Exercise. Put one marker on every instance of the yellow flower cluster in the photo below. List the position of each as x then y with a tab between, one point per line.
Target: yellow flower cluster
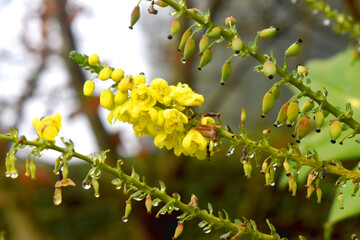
156	110
48	127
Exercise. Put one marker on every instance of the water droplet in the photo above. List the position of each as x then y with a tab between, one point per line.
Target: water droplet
230	151
176	208
95	173
326	22
274	165
272	184
96	195
118	187
172	13
343	184
163	212
138	197
170	208
121	162
183	60
353	195
251	155
14	175
314	12
297	171
7	174
86	184
156	202
207	229
125	219
202	224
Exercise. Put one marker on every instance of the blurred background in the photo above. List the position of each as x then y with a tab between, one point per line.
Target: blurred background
38	79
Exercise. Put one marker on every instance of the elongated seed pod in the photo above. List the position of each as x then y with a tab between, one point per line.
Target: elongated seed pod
294	49
335	130
186	35
243	115
135	15
268	32
282	116
292	113
303	127
275	91
247	169
268	103
214	32
189	48
307	106
203	44
269	69
226	71
236	45
205	58
174	28
319	120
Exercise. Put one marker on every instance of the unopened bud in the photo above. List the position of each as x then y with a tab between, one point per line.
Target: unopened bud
243	115
128	209
120	97
264	167
174	28
203	44
267	179
267	103
272	175
7	166
125	84
287	167
214	32
189	48
135	15
318	194
292	113
309	191
268	32
302	70
178	230
282	116
319	120
291	183
230	21
186	35
236	45
57	196
226	71
310	179
275	90
307	106
33	170
88	88
107	99
294	188
356	187
93	60
335	130
161	3
96	186
27	167
117	75
269	69
341	200
105	73
139	79
148	204
294	49
205	58
247	169
303	127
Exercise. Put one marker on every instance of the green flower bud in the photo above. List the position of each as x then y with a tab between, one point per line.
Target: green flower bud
186	35
269	69
292	113
268	32
236	45
27	167
226	71
302	70
272	175
128	209
303	127
247	169
286	166
214	32
96	186
33	170
291	183
7	166
203	44
318	194
356	187
189	48
294	188
178	230
93	60
230	21
161	3
57	196
267	179
174	28
310	178
148	204
135	15
341	200
294	49
309	191
307	106
243	116
56	167
264	167
275	90
267	103
205	58
335	130
88	88
319	120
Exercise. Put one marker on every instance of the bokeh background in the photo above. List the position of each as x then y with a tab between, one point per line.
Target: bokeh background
37	79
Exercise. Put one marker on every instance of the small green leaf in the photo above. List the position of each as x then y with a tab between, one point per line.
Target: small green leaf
210	208
162	186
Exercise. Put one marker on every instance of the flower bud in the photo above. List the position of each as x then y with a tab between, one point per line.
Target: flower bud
318	194
269	69
93	60
303	127
135	15
128	209
267	103
294	49
125	84
335	130
247	169
139	79
243	115
282	116
33	170
27	167
319	120
356	187
268	32
309	191
88	88
107	99
230	21
287	167
203	44
302	70
186	35
226	71
148	204
294	188
117	75
7	166
310	179
120	97
178	230
105	73
292	113
307	106
291	183
275	90
267	179
161	3
214	32
96	186
341	200
189	48
236	45
272	175
264	167
57	196
205	58
174	28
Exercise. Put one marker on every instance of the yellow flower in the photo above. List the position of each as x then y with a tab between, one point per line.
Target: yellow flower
117	75
105	73
93	60
48	127
139	79
144	125
141	95
122	112
120	97
107	99
195	144
125	84
161	90
185	96
88	88
174	120
170	141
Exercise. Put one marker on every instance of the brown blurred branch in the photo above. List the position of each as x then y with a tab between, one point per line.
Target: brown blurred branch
353	9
